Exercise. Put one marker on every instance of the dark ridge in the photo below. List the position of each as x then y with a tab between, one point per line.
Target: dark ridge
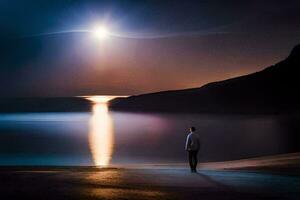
273	90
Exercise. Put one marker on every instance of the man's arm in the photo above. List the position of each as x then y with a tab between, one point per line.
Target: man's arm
198	141
187	143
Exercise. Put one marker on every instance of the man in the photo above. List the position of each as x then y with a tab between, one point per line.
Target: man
192	146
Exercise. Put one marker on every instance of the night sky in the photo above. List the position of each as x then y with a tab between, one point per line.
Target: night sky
159	45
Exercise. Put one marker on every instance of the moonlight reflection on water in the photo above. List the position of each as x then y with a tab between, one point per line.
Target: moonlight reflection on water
101	133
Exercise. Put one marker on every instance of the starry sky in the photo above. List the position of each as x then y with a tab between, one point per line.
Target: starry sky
160	45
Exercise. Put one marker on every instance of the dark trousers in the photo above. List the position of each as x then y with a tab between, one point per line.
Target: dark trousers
193	159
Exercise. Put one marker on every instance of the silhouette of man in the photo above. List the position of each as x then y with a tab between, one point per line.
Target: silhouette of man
192	146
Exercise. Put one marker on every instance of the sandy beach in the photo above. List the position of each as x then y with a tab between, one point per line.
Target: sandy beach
156	182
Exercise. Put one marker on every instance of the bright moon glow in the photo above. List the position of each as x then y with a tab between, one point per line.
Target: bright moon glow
101	32
100	99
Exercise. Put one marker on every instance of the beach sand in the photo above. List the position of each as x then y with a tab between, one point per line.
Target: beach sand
280	180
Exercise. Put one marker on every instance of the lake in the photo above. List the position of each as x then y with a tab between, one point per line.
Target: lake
103	137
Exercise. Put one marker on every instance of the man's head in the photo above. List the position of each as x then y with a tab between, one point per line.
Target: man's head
192	129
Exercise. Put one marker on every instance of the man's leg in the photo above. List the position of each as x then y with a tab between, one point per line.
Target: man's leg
191	160
195	158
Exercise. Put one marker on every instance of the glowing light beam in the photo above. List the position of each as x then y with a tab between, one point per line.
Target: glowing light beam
103	33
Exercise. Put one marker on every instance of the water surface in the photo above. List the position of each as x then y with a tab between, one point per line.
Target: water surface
103	137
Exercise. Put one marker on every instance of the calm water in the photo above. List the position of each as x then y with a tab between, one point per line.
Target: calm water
102	137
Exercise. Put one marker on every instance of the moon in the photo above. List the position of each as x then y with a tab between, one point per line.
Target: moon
101	32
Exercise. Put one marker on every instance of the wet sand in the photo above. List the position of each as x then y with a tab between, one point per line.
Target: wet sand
151	182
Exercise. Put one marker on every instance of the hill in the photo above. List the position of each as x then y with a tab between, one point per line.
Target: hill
272	90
